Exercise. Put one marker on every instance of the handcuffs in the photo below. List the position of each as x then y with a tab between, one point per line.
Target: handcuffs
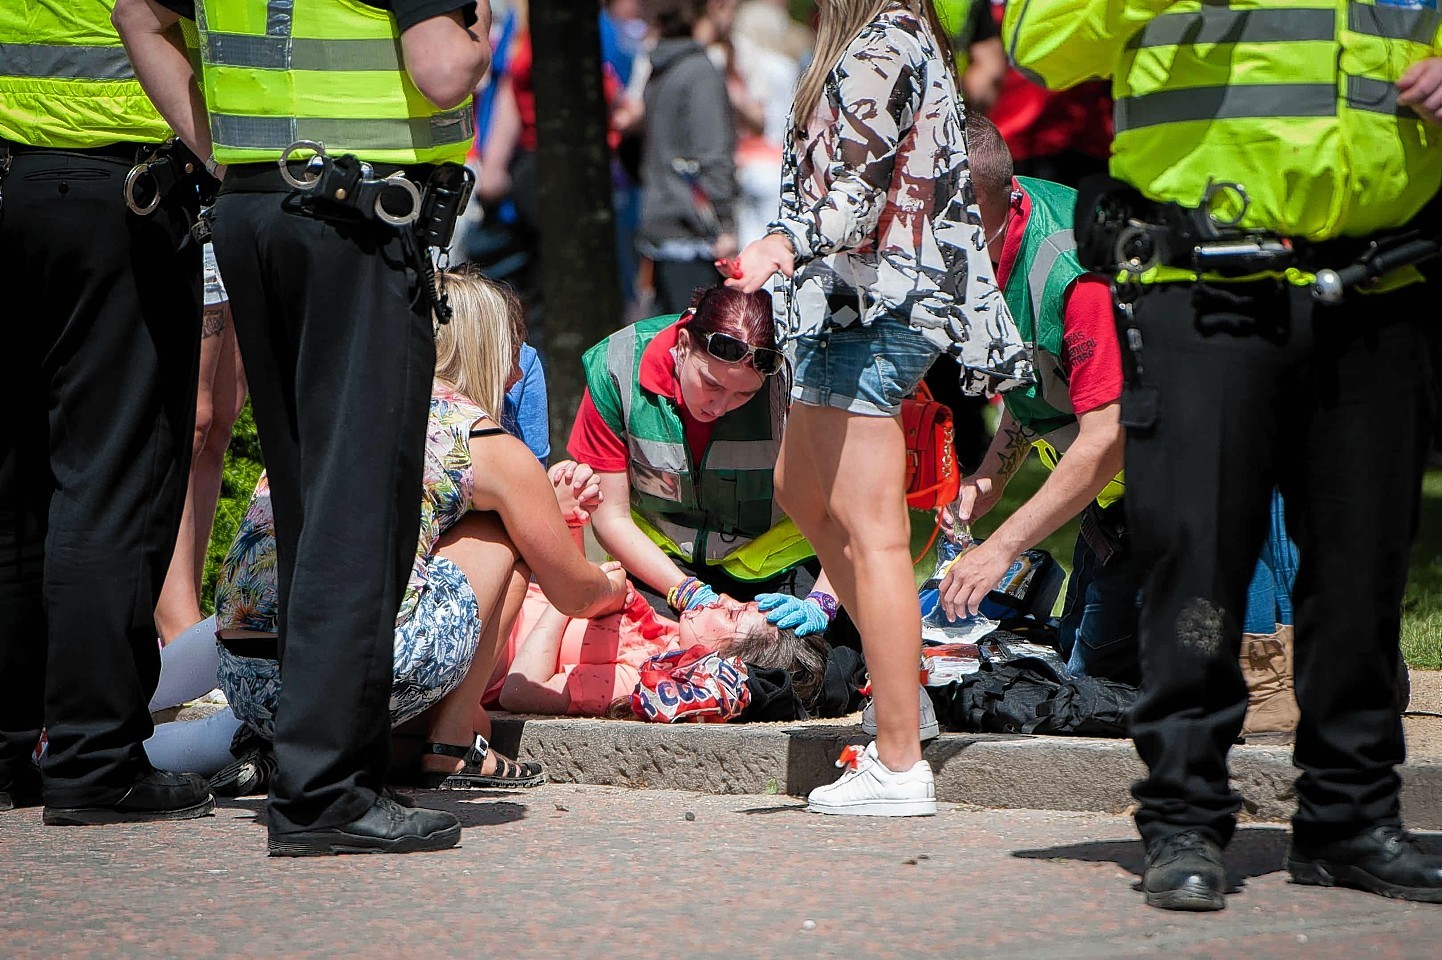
165	168
349	182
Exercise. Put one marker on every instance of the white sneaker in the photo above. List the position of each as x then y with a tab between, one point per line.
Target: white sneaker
930	730
869	789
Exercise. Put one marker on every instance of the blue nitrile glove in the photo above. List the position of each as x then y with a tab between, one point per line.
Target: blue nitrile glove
805	617
703	597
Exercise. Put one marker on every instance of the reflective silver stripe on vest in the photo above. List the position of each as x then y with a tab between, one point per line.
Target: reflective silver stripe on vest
742	454
1376	96
1051	250
1061	438
64	61
658	454
1393	23
277	133
719	545
278	17
620	361
683	537
283	53
1226	102
1222	25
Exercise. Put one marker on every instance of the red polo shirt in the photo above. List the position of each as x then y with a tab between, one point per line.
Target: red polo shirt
594	442
1091	355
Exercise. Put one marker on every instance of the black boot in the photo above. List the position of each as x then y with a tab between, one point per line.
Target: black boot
17	797
159	795
20	790
387	827
1384	860
1184	872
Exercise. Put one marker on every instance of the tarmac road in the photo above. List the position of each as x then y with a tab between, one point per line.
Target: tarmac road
569	871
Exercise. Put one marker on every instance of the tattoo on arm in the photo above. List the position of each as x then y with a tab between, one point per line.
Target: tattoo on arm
1017	446
212	322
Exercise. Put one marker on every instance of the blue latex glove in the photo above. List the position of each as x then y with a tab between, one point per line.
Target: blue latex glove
805	617
704	597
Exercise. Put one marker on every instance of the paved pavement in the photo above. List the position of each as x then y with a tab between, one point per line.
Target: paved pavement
602	872
988	770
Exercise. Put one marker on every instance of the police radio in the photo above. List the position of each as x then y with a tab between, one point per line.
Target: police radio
447	192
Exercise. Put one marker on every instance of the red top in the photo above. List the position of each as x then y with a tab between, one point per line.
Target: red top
1092	356
520	71
594	442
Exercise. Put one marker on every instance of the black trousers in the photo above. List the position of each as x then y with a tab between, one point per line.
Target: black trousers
1244	387
676	281
98	400
339	352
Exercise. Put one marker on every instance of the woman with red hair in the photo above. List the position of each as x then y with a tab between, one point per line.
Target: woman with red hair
681	421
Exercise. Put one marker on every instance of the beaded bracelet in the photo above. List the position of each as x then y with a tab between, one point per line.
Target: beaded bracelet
826	602
679	597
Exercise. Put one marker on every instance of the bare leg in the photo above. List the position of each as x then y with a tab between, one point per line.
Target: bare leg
478	544
503	621
841	478
220	396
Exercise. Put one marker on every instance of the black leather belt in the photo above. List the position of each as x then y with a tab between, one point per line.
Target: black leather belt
254	648
129	152
267	178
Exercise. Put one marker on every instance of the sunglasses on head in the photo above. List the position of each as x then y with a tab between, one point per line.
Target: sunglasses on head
725	347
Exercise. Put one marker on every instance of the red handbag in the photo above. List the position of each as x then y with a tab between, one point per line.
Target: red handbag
933	478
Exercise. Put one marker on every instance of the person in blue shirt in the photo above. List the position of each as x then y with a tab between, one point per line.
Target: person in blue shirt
526	412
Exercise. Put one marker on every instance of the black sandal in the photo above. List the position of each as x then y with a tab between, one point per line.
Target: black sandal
508	773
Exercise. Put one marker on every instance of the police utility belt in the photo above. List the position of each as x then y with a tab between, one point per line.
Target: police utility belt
1123	234
422	204
159	170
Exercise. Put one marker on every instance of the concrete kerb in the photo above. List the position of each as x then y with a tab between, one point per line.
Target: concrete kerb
983	770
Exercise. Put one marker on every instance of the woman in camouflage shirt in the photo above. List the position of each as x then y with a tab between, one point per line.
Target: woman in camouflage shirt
881	240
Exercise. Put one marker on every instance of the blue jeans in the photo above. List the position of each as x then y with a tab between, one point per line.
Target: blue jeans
1098	631
866	370
1269	597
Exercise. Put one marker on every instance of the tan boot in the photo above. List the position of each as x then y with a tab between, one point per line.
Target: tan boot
1267	668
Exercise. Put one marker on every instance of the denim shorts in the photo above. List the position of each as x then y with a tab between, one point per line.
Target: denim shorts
865	370
215	294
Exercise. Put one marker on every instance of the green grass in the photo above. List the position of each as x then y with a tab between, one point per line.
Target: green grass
1421	611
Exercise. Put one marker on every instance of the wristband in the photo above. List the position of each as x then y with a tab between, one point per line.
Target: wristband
679	596
826	602
211	166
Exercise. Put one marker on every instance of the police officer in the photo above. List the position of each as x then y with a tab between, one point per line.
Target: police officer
98	401
1258	146
329	295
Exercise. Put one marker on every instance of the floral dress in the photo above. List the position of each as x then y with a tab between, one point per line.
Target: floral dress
438	624
877	201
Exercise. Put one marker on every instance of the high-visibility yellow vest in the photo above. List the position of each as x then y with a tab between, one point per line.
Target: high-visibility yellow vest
955	18
1292	99
65	80
278	71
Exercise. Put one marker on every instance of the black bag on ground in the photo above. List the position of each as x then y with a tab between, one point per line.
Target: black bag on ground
1027	695
772	697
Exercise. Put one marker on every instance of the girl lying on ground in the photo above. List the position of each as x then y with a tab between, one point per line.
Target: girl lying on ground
483	532
559	664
